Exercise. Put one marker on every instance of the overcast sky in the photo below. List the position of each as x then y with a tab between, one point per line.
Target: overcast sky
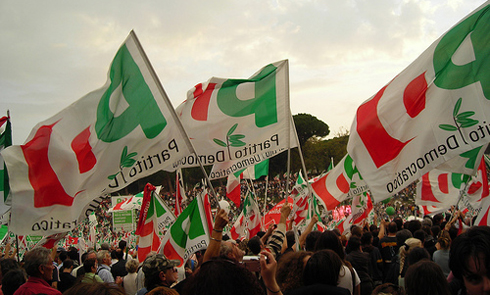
341	52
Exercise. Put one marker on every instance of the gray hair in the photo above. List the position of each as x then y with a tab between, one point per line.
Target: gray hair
35	258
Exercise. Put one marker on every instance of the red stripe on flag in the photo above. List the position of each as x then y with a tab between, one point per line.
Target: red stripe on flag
442	180
85	157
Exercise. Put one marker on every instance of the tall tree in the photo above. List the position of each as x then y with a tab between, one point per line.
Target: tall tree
308	126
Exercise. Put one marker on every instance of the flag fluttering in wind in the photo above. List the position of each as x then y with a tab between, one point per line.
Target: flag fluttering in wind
257	171
233	188
239	122
5	141
104	141
300	195
190	232
154	217
342	182
130	203
248	223
179	192
433	111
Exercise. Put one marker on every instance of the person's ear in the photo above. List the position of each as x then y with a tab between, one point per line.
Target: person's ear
162	276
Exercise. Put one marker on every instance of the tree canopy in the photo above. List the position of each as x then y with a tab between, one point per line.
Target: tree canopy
308	126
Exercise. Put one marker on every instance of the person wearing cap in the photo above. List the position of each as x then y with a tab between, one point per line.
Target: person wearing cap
159	271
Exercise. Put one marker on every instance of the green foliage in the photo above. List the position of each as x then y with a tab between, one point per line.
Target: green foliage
308	126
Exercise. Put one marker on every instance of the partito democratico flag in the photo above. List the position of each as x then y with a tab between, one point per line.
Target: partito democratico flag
434	110
109	138
238	122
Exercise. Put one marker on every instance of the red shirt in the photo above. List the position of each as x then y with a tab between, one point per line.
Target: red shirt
36	285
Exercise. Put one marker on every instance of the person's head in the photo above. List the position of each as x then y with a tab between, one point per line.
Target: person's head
367	239
402	236
104	257
416	254
255	245
159	271
90	265
392	228
132	265
68	264
290	269
354	244
437	219
119	254
222	276
105	246
73	254
444	240
469	259
426	278
230	250
435	230
356	231
95	289
311	239
420	234
323	267
38	263
399	222
329	240
7	264
12	280
122	244
388	289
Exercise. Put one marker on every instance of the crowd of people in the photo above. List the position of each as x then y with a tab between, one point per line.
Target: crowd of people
435	255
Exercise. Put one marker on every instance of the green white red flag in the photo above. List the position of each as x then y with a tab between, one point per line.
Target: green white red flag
341	183
239	122
233	188
190	232
107	139
300	195
433	111
248	223
130	203
257	171
154	217
5	141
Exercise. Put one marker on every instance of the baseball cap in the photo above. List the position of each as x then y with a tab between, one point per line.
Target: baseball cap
157	263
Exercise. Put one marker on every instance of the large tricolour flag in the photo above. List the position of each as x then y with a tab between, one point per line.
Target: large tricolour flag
104	141
433	111
190	232
239	122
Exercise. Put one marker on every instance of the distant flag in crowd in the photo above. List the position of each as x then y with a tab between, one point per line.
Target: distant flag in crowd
190	232
274	215
89	149
5	141
154	217
257	171
330	166
300	195
233	188
51	241
434	110
248	223
179	192
130	203
361	207
234	121
339	184
483	217
92	229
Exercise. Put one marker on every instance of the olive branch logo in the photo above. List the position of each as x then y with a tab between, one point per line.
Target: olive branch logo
461	120
233	140
126	162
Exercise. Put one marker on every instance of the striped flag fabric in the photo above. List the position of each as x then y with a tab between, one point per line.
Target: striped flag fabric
5	141
154	217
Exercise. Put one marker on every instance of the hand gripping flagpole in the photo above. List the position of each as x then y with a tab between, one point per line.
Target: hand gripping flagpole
174	115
